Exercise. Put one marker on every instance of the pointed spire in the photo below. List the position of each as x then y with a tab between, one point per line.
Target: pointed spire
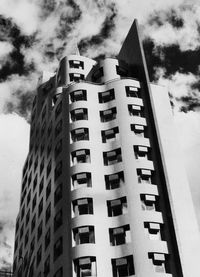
76	49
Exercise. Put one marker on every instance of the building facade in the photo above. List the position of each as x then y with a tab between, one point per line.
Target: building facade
104	193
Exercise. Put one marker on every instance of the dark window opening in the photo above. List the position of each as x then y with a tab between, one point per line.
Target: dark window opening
135	110
123	267
81	180
76	77
133	92
76	64
78	95
82	206
47	238
80	134
117	206
110	134
81	156
79	114
120	235
108	115
112	157
58	194
84	234
114	181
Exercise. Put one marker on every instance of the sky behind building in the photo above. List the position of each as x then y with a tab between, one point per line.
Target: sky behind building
36	34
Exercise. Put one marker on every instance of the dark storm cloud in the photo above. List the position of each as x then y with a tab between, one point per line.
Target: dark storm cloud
15	63
171	58
105	32
190	103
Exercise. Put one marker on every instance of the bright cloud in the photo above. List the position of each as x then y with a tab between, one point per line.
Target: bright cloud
13	149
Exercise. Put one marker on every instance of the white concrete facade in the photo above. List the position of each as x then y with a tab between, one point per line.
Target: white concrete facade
100	179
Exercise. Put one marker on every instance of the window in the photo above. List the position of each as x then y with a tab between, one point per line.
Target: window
27	217
44	112
97	74
114	181
121	71
149	202
144	176
26	238
79	114
106	96
28	198
17	225
47	266
110	134
123	267
29	178
112	157
47	238
49	129
22	212
35	183
159	261
135	110
41	185
39	255
30	162
58	128
59	273
85	267
81	156
82	206
58	248
58	148
33	222
48	213
76	64
58	194
34	202
81	180
35	163
139	130
153	230
141	152
117	206
39	231
76	77
40	207
78	95
80	134
49	147
48	169
58	220
32	247
108	115
42	149
120	235
41	165
43	128
84	234
48	190
58	170
58	109
133	92
16	244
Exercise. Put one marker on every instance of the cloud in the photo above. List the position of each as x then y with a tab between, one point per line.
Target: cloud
13	149
17	94
25	14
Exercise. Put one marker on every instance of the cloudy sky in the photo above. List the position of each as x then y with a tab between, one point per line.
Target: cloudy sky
35	34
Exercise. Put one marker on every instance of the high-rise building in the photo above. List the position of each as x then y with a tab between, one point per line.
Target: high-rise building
104	192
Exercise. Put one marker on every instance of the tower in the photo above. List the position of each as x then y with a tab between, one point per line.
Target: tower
103	188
